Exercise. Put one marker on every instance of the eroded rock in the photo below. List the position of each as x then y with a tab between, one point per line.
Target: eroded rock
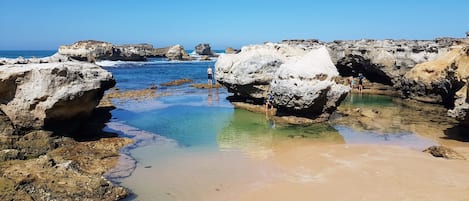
177	52
444	152
439	80
300	80
35	95
204	49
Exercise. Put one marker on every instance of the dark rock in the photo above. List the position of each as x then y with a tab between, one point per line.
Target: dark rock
177	82
204	49
444	152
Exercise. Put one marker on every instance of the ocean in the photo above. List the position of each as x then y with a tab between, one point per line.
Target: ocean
26	53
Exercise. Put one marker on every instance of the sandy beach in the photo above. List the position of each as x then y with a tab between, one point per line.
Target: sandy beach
363	172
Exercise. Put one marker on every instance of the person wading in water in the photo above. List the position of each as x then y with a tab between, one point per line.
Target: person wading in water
209	75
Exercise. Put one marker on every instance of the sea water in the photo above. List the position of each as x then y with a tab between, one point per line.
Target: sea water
209	146
26	53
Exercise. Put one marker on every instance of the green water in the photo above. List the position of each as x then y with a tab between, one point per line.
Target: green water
210	145
367	100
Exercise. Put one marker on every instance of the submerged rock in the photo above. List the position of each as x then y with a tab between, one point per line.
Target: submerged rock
34	96
177	82
300	80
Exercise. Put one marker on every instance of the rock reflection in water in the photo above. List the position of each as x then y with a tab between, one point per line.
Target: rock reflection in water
384	116
260	137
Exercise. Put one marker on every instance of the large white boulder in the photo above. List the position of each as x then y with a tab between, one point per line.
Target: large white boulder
304	85
301	80
33	95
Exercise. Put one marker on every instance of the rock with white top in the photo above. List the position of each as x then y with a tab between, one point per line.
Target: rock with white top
300	80
34	96
92	50
50	59
177	52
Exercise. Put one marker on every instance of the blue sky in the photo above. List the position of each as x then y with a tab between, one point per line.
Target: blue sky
46	24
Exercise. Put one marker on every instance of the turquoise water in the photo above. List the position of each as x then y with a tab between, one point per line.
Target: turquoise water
26	53
207	139
359	100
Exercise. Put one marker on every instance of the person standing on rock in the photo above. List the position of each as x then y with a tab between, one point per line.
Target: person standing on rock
210	75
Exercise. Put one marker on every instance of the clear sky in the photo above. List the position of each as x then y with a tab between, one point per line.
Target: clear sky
46	24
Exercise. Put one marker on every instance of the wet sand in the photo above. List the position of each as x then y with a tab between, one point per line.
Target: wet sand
297	170
363	172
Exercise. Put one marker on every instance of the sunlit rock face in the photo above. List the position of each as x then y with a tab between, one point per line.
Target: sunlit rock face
301	80
92	50
33	95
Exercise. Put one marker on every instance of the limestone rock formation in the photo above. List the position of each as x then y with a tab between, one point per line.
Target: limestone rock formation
204	49
385	61
439	81
230	50
301	81
177	52
34	96
304	86
20	60
91	50
382	61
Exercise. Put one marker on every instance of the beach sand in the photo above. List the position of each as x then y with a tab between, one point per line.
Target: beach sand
363	172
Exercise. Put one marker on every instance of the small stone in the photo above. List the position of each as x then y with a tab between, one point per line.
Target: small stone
444	152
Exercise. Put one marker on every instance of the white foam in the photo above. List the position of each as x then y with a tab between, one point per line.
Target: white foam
107	63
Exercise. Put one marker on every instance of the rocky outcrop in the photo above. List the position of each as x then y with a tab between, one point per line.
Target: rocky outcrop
20	60
177	52
71	170
204	49
301	81
444	152
385	61
382	61
461	105
34	96
439	81
91	50
230	50
424	70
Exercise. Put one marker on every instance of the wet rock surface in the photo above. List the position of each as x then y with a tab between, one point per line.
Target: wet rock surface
68	172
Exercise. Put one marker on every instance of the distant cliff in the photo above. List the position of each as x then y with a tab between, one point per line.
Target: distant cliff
92	50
